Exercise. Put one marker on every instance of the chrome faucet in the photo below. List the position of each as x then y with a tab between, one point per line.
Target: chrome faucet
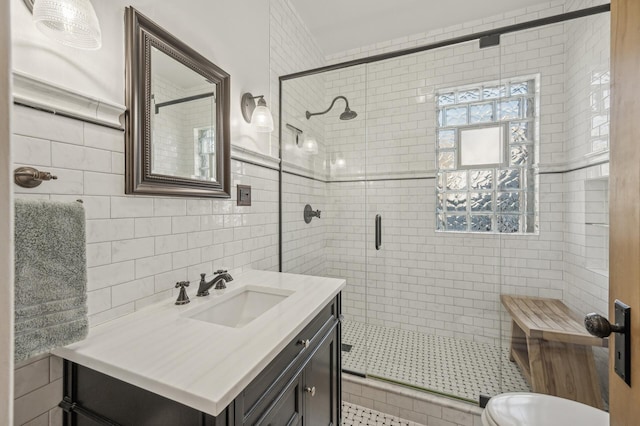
219	281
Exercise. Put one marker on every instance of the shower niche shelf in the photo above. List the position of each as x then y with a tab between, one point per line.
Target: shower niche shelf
596	207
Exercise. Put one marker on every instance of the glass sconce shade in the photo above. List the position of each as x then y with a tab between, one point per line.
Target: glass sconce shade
261	118
258	115
338	160
70	22
310	145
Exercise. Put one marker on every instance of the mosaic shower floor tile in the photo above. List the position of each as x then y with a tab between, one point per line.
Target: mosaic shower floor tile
355	415
454	367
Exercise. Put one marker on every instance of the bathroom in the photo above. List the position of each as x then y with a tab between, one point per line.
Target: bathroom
425	336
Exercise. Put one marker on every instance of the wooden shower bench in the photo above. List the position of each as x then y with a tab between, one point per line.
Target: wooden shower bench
553	349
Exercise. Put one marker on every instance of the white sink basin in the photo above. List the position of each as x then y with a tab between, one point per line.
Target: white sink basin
239	309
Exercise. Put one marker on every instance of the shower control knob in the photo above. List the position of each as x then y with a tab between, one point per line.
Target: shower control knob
599	326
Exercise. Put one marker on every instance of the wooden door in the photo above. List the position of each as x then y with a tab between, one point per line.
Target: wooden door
624	258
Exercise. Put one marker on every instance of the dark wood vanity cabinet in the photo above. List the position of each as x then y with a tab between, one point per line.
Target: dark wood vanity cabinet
301	386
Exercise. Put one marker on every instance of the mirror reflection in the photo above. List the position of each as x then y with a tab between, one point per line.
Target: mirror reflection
182	119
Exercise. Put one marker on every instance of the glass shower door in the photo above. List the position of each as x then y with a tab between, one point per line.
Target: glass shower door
433	281
323	151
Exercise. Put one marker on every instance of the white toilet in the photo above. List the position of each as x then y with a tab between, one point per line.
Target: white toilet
534	409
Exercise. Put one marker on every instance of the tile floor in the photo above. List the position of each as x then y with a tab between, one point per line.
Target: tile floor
355	415
459	368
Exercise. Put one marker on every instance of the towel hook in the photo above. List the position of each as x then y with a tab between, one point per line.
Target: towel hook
28	177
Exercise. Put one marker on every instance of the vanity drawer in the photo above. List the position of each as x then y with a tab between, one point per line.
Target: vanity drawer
262	391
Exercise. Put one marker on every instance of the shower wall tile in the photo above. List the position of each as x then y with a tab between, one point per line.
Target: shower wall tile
438	283
293	49
586	281
303	245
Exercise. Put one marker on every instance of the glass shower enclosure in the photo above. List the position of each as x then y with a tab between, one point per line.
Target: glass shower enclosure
446	178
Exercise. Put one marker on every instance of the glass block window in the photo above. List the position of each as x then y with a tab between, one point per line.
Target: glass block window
486	148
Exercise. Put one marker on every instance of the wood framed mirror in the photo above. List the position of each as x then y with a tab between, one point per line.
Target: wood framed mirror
177	121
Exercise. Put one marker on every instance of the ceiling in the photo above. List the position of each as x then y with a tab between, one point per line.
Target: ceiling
340	25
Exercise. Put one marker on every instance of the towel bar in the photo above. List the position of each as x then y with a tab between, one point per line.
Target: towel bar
28	177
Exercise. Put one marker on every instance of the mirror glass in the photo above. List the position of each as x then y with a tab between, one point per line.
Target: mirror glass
183	120
177	126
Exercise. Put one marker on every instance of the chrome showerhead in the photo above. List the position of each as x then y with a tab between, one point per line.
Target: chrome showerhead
348	114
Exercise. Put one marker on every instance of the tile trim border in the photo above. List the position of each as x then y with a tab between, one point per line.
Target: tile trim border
43	95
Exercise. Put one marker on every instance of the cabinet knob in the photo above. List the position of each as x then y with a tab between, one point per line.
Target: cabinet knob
304	343
311	390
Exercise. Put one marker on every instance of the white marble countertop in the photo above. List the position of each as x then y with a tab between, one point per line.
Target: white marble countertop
199	364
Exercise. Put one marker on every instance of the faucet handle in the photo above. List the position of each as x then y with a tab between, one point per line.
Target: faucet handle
183	299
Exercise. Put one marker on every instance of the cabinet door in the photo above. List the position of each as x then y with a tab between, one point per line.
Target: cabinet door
287	409
320	378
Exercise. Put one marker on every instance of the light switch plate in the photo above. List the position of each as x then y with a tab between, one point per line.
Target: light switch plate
244	195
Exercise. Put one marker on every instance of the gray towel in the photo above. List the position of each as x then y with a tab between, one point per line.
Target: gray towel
51	276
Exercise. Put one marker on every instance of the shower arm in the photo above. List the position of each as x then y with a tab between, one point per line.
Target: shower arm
310	114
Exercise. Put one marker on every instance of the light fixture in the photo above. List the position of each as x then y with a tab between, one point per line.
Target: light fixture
70	22
297	132
310	145
259	116
337	160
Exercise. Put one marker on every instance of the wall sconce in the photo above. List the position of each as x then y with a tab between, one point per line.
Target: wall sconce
259	116
71	22
308	144
337	160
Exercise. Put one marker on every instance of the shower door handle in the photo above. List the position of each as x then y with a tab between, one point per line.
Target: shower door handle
378	232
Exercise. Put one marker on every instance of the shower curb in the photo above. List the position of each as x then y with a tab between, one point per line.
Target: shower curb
409	404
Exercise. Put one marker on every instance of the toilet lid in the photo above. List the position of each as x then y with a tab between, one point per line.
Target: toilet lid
531	409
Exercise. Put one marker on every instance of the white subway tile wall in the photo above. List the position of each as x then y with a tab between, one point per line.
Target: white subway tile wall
303	244
38	390
138	247
293	49
133	241
422	281
586	280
